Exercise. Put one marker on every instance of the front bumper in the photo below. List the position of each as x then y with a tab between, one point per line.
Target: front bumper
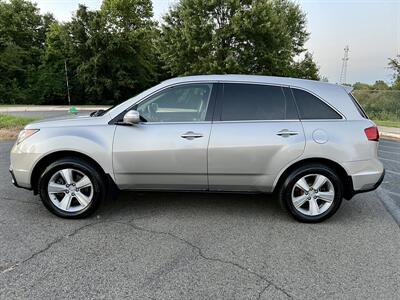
22	162
14	180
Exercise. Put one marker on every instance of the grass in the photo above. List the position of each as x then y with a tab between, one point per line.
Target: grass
388	123
11	125
9	121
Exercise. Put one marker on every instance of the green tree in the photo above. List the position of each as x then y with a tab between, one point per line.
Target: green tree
361	86
51	84
394	64
380	85
130	52
110	52
236	36
22	39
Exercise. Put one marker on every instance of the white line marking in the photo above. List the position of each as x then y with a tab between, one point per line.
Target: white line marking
388	142
393	172
392	160
389	203
390	192
396	148
389	152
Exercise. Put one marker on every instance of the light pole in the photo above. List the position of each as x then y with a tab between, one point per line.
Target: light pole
66	78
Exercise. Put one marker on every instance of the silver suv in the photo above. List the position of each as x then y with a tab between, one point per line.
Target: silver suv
308	142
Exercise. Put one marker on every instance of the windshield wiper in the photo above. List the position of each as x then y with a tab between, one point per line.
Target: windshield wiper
97	113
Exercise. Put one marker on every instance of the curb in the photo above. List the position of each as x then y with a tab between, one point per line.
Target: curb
49	108
389	135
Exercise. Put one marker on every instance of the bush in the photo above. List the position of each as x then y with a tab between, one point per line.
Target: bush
380	105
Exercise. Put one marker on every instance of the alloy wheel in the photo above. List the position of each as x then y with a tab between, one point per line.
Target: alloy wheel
70	190
313	194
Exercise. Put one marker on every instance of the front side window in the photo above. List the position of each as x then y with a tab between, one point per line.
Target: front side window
255	102
186	103
310	107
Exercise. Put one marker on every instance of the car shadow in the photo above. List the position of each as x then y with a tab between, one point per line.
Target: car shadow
149	204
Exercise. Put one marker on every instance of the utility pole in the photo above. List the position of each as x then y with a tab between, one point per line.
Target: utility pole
345	59
66	78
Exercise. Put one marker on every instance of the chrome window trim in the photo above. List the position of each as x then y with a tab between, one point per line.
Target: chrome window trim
172	123
171	86
323	120
255	121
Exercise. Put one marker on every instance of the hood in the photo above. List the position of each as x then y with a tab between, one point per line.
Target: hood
68	120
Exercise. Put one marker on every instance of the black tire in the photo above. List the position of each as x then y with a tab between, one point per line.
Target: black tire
96	177
285	192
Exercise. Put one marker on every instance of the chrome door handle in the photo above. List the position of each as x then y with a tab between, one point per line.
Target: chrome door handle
287	133
190	135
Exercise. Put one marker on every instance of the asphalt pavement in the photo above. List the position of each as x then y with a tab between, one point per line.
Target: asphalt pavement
200	246
389	191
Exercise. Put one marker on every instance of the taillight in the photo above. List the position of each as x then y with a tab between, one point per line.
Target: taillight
372	133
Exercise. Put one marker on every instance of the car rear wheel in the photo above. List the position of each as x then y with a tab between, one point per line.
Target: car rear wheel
71	188
312	193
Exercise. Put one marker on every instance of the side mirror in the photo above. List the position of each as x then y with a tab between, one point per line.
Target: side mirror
132	117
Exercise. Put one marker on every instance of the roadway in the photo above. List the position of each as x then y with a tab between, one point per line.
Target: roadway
201	246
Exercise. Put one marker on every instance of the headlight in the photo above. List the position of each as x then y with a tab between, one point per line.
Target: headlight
24	134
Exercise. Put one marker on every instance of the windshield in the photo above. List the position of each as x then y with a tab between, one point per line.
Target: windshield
129	102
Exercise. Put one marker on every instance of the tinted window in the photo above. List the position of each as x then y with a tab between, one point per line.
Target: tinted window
253	102
310	107
186	103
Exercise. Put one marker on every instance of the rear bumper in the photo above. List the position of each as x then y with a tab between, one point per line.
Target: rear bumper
374	186
364	173
367	188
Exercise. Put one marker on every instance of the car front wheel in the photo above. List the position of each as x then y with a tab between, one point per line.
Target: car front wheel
71	188
312	193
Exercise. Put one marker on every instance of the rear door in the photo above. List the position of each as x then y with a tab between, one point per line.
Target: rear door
256	132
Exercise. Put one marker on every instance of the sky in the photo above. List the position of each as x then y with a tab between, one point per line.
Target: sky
371	29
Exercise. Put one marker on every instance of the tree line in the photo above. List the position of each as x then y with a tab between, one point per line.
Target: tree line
119	50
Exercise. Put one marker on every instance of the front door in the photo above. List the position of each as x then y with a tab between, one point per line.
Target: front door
256	133
168	150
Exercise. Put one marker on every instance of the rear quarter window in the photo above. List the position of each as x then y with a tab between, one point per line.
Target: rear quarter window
358	106
310	107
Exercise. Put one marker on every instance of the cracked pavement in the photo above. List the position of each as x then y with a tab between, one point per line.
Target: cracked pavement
195	246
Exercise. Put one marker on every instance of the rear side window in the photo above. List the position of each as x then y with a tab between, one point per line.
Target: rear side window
310	107
255	102
358	106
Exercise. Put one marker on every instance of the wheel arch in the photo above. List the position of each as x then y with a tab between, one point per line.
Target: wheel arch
340	171
51	157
